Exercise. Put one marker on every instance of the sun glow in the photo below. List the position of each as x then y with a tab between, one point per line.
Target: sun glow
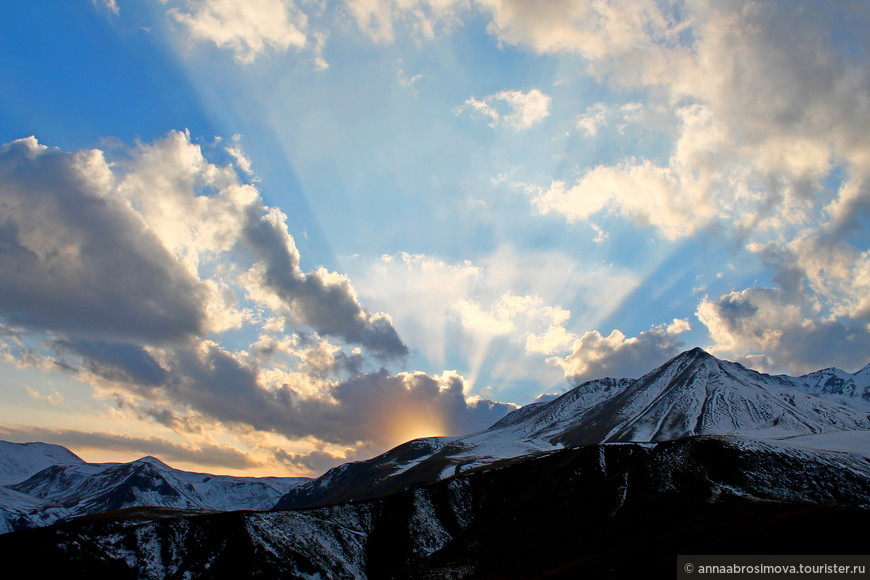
408	423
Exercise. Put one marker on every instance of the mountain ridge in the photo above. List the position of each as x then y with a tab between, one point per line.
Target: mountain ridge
694	393
62	491
601	510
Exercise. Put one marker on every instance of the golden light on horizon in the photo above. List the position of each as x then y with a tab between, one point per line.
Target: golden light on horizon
404	423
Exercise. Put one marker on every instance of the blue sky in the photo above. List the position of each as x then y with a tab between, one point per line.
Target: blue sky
272	236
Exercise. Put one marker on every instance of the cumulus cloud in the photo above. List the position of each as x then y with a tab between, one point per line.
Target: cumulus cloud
594	355
650	195
248	29
633	41
76	259
816	316
760	327
116	362
120	250
322	299
766	99
124	272
514	109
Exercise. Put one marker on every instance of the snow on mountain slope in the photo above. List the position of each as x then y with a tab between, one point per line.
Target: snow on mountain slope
692	394
833	381
522	518
84	488
696	394
18	461
17	508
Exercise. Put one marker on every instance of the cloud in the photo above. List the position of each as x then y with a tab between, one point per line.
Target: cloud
108	5
248	29
322	299
117	362
377	408
767	331
594	356
650	195
816	316
503	311
75	259
514	109
146	248
426	19
765	98
241	160
601	114
125	272
632	41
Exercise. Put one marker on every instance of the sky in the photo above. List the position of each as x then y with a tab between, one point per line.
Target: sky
269	237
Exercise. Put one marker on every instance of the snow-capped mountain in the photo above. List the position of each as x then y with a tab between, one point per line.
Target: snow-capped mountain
619	510
18	461
69	489
698	456
693	394
833	381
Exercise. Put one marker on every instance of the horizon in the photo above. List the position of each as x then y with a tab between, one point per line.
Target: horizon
277	237
543	399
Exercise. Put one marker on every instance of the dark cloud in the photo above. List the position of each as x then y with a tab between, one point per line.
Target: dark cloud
365	408
771	332
214	455
323	300
120	362
76	260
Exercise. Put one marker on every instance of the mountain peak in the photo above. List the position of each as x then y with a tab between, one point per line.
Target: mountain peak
695	353
151	460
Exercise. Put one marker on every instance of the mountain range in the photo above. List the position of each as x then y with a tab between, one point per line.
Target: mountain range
614	477
45	484
693	394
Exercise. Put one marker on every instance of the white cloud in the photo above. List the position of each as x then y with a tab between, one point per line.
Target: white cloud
601	114
242	161
634	41
248	28
79	260
109	5
594	355
817	315
123	273
426	19
648	194
514	109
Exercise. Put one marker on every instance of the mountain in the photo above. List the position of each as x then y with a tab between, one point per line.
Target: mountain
616	510
65	490
693	394
18	461
612	479
833	381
